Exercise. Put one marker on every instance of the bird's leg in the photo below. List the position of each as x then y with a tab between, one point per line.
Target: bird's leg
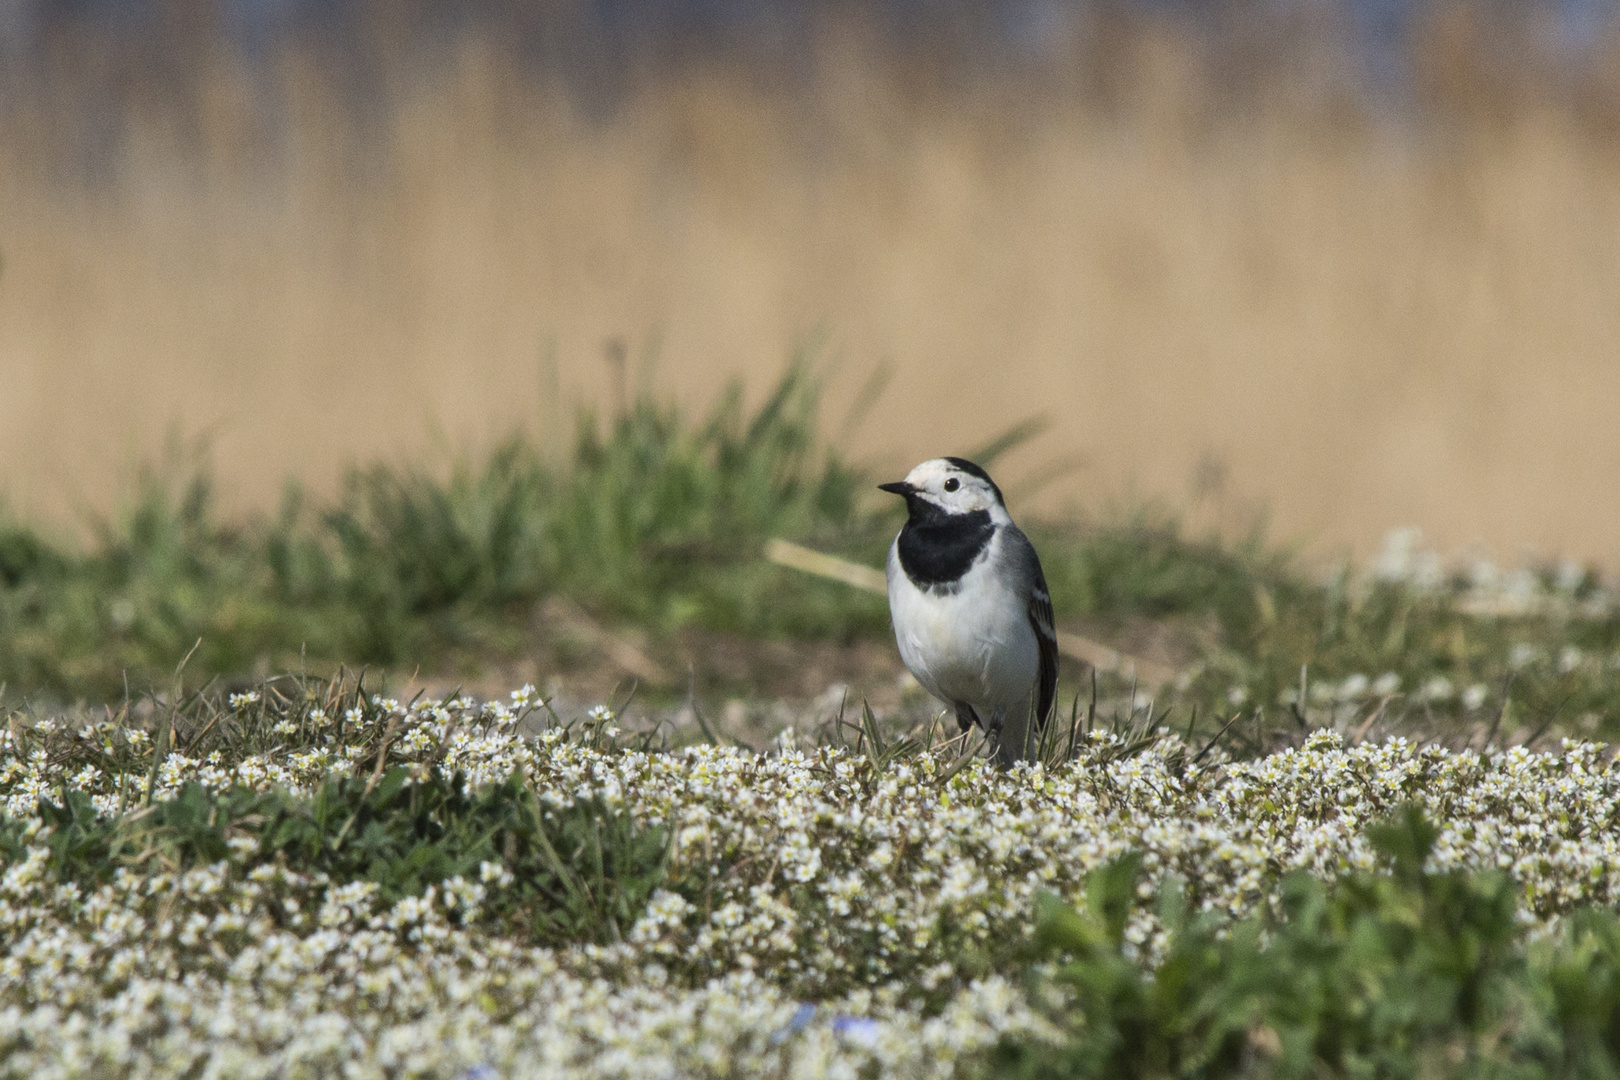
992	729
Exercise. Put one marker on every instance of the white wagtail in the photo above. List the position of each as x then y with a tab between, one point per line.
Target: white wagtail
971	612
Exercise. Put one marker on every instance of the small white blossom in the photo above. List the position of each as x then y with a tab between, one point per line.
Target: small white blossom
1523	655
1438	688
1352	688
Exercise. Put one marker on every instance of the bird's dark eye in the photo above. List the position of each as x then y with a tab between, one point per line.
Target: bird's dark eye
952	484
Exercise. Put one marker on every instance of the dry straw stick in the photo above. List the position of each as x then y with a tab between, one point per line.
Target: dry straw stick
1100	656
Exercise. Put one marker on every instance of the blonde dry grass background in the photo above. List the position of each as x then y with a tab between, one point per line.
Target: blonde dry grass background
1353	325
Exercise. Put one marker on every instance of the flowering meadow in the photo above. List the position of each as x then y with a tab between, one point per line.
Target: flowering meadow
309	880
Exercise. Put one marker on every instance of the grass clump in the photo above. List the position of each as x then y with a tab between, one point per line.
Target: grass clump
653	521
568	874
1275	650
1403	973
650	519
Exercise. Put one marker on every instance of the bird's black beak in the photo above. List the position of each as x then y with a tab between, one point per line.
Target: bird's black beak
899	487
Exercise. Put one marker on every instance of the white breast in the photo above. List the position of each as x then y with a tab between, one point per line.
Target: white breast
973	644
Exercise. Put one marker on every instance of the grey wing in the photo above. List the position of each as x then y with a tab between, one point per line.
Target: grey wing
1027	566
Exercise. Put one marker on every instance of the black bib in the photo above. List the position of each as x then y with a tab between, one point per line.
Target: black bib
937	548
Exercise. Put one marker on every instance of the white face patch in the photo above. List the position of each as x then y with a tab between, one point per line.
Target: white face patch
951	489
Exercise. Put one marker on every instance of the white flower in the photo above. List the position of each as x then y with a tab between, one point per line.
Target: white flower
812	866
494	872
1400	560
1523	655
1474	696
1438	688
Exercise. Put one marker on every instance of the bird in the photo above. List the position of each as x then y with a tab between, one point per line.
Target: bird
971	611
